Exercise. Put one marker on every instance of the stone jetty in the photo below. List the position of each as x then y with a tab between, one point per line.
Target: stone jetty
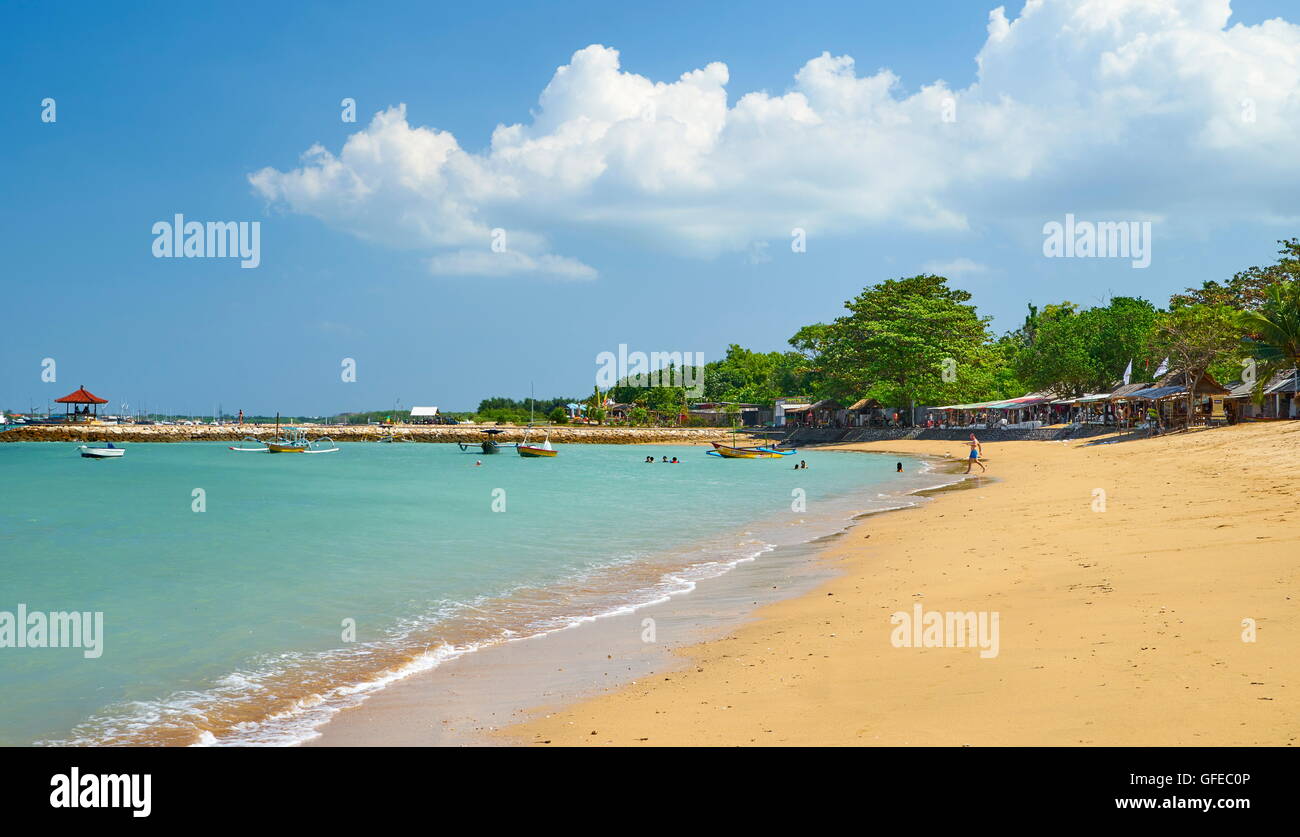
560	434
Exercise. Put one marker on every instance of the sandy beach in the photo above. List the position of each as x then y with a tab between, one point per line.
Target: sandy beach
1121	572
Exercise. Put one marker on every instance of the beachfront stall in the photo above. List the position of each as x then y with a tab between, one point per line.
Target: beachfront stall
1124	407
972	415
867	412
829	413
1023	413
1281	398
1168	399
790	411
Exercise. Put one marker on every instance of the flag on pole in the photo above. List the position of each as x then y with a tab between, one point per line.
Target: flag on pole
1128	373
1163	368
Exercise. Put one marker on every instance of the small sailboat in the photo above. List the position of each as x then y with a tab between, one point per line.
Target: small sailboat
108	451
531	451
534	451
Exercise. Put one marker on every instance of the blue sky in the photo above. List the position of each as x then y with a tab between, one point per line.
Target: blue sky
671	231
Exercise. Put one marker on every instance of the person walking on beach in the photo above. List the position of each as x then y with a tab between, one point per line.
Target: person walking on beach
976	450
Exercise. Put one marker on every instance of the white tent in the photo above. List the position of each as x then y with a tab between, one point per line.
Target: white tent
424	412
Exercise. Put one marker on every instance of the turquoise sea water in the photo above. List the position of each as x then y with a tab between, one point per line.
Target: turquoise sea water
227	625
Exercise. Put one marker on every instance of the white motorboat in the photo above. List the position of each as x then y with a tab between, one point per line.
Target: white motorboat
108	451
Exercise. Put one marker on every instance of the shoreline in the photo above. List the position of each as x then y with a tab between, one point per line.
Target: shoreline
466	699
1121	624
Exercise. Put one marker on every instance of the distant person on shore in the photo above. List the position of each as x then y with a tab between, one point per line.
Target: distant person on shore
976	450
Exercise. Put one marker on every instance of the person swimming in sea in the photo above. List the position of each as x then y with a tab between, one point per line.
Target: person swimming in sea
900	467
803	464
649	459
976	450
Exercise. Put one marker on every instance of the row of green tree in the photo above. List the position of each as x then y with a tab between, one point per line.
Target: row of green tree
918	341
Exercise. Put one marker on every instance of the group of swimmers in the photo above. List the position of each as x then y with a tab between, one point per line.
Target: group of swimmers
674	460
802	465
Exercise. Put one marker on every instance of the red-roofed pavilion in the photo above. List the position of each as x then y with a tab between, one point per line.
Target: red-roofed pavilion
82	405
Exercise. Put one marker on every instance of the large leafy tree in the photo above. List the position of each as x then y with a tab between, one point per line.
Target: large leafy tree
1194	337
906	341
1073	352
1052	354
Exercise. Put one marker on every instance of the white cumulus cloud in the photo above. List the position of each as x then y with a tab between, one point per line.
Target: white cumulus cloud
956	268
1118	108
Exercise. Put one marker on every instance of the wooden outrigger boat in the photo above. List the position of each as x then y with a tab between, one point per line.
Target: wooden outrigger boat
733	451
489	445
293	441
730	452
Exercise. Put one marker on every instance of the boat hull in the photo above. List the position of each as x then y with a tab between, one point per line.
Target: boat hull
102	453
272	447
729	452
529	451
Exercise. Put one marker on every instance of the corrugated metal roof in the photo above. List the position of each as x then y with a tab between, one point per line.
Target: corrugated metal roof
1156	393
1284	381
1127	390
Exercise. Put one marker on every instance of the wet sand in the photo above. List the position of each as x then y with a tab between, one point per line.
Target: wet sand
1127	576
